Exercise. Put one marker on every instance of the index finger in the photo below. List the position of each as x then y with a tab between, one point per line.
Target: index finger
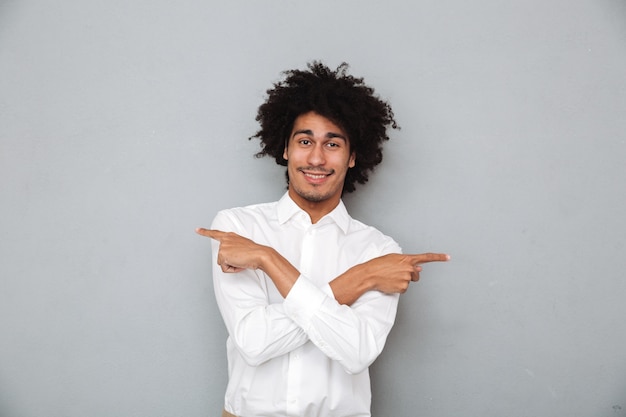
213	234
422	258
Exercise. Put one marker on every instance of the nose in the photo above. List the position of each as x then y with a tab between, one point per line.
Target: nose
316	155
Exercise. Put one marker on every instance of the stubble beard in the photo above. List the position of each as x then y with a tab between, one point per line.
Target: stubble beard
313	196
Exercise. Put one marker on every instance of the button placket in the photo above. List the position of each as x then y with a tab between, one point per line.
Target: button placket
307	251
294	382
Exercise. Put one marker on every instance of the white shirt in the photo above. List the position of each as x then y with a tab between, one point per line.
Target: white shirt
304	355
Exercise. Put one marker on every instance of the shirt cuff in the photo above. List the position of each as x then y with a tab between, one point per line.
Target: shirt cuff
303	301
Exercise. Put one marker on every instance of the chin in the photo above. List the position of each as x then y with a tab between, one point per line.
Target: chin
314	196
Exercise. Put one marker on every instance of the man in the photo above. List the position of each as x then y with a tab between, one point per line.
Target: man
313	293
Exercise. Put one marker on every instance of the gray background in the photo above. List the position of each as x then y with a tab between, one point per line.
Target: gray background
124	125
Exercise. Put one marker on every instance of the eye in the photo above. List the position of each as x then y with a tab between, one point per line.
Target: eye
333	145
304	142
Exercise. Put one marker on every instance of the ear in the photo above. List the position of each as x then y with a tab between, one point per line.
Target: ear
285	157
352	160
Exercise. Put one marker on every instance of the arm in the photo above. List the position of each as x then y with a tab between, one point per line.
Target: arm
258	327
389	274
353	336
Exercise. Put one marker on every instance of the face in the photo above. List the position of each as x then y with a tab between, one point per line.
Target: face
318	158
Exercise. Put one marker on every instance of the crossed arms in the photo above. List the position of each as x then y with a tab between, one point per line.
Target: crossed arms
348	319
389	273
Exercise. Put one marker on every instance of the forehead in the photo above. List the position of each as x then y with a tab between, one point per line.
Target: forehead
316	124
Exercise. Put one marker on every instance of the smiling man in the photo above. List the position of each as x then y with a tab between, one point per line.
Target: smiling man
307	293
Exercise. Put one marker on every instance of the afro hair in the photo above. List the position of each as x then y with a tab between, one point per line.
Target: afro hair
343	99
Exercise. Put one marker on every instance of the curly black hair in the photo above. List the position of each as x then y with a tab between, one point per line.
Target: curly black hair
341	98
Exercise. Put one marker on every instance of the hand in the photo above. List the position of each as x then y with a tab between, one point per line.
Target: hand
236	252
394	272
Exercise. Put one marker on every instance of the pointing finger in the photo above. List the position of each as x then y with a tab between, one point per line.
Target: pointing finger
429	257
213	234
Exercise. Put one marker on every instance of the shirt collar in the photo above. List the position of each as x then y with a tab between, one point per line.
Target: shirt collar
287	208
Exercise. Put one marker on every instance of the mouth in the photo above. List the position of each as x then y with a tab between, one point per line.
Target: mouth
316	176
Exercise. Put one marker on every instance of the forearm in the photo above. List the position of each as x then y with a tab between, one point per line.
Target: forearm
347	287
262	333
352	284
282	273
255	319
354	336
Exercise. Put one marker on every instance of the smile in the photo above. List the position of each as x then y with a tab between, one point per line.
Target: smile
316	176
316	172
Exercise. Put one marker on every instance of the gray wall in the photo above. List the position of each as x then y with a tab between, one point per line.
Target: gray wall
124	125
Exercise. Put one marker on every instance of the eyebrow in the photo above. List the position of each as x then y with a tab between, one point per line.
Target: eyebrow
329	135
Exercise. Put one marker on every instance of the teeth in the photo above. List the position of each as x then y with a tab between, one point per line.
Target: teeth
316	176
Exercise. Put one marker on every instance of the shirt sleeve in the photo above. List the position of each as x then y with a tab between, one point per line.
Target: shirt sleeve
352	335
260	330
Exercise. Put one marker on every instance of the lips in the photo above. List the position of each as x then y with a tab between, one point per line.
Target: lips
316	177
313	176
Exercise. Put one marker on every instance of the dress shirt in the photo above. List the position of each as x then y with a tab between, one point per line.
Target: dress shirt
303	355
